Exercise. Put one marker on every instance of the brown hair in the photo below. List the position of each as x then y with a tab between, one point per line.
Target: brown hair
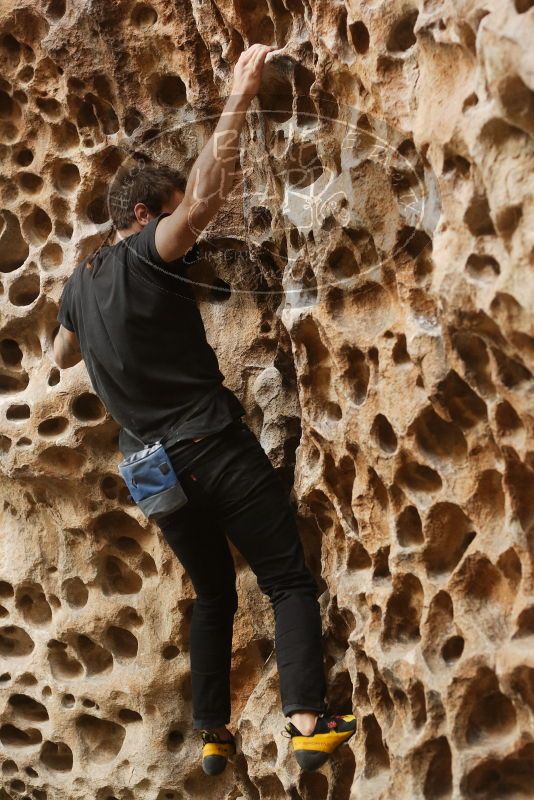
149	184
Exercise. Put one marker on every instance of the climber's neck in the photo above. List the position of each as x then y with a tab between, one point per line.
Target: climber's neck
124	232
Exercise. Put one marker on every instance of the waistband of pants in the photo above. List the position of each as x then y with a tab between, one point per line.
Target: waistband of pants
183	444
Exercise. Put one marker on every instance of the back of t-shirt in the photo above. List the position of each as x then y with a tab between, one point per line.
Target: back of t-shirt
143	340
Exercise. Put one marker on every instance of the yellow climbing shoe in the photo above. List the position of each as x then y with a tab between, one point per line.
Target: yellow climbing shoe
215	752
329	733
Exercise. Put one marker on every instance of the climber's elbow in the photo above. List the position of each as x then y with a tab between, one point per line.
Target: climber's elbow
66	348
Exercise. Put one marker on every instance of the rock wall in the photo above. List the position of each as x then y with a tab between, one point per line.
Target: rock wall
367	293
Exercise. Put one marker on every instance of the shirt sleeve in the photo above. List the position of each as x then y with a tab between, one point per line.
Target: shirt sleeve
142	247
65	307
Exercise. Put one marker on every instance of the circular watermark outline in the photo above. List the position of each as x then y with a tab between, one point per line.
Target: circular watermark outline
379	143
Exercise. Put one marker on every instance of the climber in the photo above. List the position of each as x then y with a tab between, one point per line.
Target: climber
142	339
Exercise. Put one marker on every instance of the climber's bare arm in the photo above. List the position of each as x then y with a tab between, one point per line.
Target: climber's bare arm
213	173
66	348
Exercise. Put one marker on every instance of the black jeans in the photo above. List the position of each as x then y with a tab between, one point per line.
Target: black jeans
234	492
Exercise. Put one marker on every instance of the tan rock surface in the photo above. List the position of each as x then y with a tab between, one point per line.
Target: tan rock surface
379	249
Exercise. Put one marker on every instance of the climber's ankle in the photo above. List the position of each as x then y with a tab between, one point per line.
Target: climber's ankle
304	721
221	731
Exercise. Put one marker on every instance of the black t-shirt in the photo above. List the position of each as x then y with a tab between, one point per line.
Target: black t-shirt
143	342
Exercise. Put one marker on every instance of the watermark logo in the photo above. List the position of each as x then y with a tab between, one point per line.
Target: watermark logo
306	187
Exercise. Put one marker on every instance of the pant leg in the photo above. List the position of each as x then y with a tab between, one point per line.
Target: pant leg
249	499
202	548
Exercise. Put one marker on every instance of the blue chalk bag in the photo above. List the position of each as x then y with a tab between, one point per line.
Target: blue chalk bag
152	481
149	474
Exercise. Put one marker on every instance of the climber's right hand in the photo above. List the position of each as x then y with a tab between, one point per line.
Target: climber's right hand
248	70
